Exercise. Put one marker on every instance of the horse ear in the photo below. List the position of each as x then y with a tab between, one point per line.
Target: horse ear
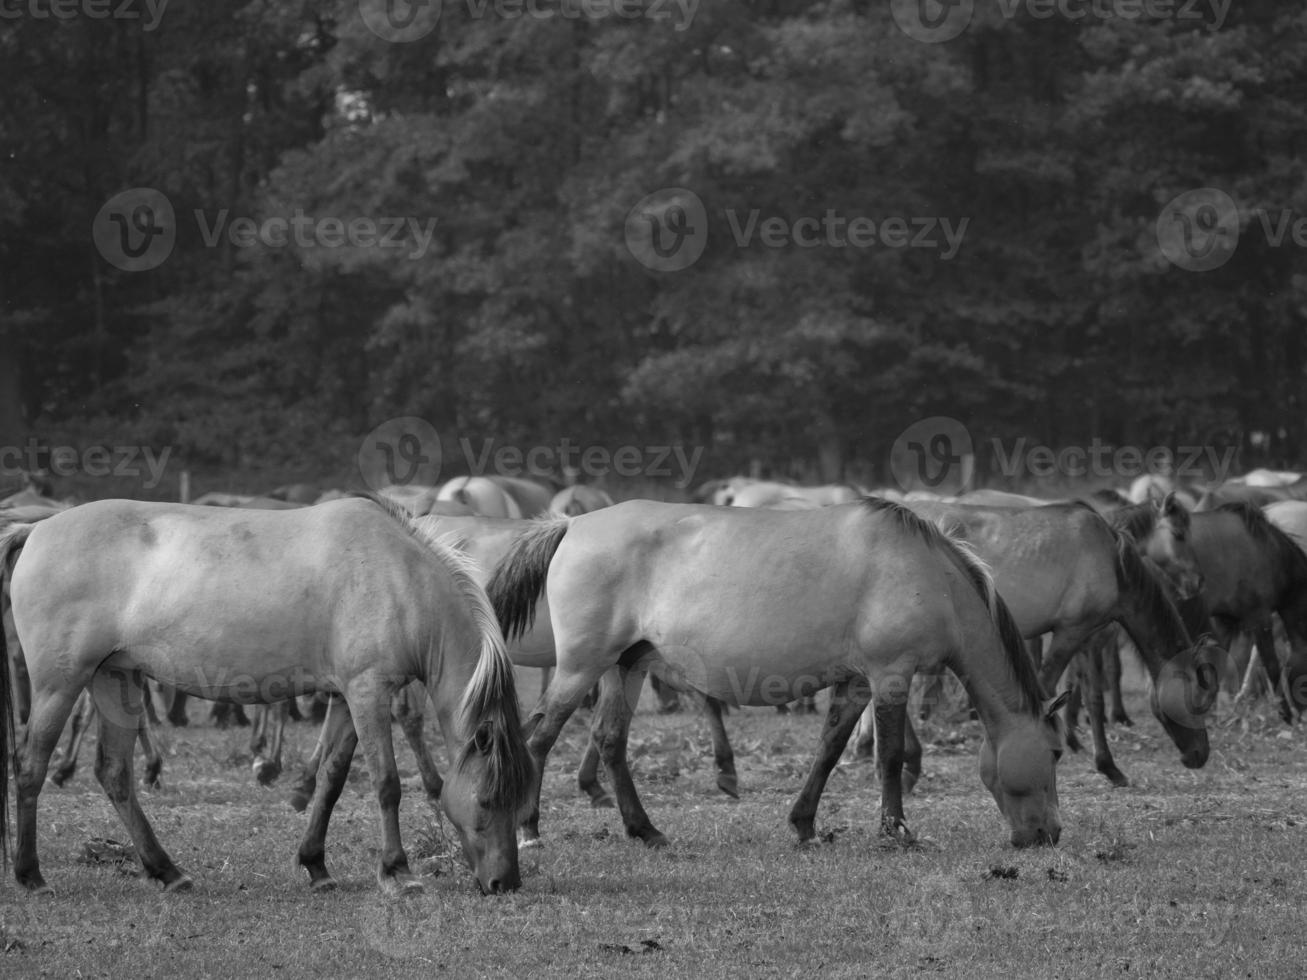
1052	706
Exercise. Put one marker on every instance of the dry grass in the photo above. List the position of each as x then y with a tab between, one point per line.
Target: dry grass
1187	874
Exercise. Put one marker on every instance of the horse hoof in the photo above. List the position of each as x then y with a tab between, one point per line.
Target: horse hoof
399	885
183	883
266	772
327	884
38	888
655	839
524	841
730	785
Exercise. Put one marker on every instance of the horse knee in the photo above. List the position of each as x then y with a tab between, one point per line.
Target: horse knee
388	790
114	775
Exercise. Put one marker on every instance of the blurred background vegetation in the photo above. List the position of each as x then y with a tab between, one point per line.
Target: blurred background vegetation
528	140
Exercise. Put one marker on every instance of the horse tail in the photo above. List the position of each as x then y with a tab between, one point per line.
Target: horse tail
515	587
12	539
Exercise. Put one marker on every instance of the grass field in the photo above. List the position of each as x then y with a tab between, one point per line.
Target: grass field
1183	874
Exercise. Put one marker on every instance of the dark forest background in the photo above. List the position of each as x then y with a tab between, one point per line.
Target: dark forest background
528	140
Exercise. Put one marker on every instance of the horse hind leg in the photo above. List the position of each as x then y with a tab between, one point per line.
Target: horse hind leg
119	702
848	700
49	714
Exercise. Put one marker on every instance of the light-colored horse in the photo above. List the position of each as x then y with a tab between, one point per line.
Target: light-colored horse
257	606
758	607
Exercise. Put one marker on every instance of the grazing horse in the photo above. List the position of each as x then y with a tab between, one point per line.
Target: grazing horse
1160	529
257	606
757	607
1252	569
1063	569
486	540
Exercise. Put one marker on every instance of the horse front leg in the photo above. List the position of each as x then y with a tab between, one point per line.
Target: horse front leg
1095	675
542	728
848	699
407	709
619	692
369	704
335	748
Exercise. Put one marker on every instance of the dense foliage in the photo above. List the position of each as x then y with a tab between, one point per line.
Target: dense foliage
519	143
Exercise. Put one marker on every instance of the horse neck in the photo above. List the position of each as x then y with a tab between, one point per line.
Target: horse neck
450	661
982	665
1151	619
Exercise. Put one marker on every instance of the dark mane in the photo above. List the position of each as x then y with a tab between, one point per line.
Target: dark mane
978	574
1289	556
1136	578
1137	520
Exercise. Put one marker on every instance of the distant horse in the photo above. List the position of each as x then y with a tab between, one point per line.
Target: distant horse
1251	569
578	499
757	607
1268	478
252	606
483	496
782	496
1251	494
1001	498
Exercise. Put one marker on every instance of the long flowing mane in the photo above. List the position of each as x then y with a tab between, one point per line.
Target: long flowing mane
490	702
965	558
